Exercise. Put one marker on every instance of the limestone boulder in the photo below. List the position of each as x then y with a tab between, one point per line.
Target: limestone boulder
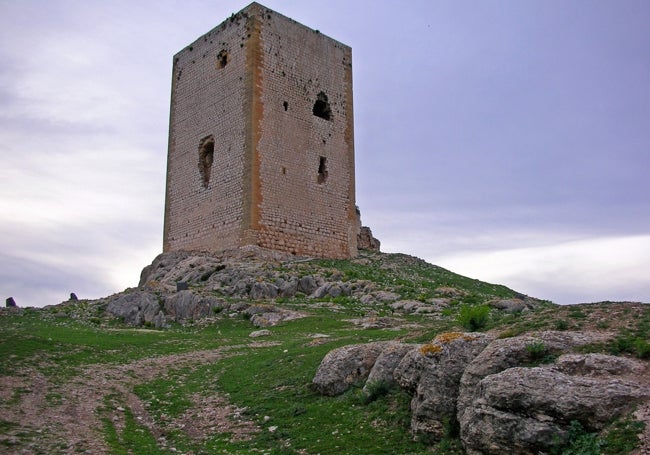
366	241
307	284
262	290
188	306
269	315
345	366
384	368
512	352
531	409
134	308
432	374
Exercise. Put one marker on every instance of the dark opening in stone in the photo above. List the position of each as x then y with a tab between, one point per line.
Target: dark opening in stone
322	107
322	169
222	59
206	157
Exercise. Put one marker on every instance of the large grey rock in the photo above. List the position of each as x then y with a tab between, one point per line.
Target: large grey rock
160	321
384	367
188	306
307	284
432	374
134	308
345	366
386	296
269	315
366	241
512	352
262	290
530	409
287	288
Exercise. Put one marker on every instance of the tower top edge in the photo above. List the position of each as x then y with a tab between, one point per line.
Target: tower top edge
257	10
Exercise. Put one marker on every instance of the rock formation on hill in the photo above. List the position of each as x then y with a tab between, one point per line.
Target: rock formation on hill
511	395
504	391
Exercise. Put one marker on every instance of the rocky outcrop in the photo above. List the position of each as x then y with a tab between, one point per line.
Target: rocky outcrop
383	371
514	395
513	305
186	306
268	315
365	240
432	375
135	308
516	351
345	366
532	408
146	308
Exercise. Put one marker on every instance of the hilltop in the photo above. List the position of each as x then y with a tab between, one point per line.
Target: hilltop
240	352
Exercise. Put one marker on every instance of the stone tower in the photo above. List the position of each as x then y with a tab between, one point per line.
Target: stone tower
261	140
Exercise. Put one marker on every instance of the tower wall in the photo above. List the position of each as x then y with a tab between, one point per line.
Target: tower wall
275	99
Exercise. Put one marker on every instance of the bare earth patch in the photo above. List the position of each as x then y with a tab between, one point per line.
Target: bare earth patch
39	417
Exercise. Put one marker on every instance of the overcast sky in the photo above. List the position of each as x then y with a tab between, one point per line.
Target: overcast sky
508	141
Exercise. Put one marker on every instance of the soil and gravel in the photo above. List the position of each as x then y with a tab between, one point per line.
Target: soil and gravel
67	417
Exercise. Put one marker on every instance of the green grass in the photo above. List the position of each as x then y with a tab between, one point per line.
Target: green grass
272	380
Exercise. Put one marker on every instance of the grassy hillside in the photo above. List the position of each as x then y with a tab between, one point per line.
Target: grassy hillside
73	380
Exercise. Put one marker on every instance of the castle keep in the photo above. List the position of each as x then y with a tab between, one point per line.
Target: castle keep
261	140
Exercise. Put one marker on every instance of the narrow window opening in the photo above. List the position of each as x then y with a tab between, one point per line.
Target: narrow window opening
222	59
322	107
206	157
284	170
322	169
285	105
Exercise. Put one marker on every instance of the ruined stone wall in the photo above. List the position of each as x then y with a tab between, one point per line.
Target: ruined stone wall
261	140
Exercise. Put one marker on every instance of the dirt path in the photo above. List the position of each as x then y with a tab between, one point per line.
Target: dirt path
39	417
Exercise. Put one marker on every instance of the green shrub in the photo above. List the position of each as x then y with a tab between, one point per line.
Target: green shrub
642	348
579	442
473	317
628	343
561	324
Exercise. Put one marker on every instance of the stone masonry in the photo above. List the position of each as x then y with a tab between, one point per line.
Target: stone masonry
261	140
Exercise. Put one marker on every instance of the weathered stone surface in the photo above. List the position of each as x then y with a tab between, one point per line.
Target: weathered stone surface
135	308
161	266
366	241
432	373
384	367
10	302
160	321
307	285
260	333
262	290
512	352
598	365
407	306
386	296
345	366
268	315
330	289
531	408
287	288
513	305
188	306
